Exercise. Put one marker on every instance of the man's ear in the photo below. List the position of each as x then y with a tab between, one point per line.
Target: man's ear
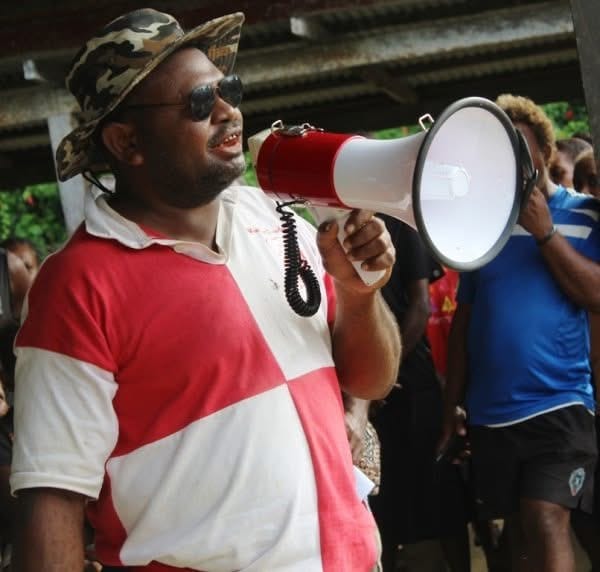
121	140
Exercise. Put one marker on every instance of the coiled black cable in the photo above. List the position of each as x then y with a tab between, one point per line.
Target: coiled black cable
296	268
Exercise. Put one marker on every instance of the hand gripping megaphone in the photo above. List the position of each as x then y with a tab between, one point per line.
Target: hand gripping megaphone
460	182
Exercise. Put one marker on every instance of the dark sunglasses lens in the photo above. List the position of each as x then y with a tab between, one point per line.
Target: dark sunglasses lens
202	98
231	90
202	101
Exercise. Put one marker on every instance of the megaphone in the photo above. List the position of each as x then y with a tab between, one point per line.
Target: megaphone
460	182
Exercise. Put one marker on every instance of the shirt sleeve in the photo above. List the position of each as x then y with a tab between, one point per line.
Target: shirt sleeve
591	247
65	423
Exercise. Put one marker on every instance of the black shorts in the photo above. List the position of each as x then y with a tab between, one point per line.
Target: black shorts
550	457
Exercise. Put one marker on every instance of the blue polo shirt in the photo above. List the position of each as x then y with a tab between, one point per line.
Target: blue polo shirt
528	344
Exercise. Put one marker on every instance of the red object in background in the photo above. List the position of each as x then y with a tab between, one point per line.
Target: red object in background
442	296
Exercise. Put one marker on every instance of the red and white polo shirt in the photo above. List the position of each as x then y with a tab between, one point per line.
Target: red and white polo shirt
175	387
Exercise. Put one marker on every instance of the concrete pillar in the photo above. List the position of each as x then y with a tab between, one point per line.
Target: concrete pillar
586	15
72	192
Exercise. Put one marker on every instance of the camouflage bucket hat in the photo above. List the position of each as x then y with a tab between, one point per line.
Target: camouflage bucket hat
120	56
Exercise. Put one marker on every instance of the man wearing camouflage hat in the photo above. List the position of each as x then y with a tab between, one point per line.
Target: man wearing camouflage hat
163	381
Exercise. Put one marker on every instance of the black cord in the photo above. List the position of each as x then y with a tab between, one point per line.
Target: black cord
92	178
296	268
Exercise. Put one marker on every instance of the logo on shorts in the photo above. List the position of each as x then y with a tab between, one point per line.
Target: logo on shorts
576	480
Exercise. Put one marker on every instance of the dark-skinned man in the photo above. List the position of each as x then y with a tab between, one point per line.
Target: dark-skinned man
176	394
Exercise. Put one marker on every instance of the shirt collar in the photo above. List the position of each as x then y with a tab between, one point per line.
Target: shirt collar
103	221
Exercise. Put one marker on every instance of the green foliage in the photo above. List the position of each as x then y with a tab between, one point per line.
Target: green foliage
567	118
250	174
34	213
396	132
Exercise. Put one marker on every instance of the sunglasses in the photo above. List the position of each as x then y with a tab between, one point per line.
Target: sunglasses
204	97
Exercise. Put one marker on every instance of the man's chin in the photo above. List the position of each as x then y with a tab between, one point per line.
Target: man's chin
233	171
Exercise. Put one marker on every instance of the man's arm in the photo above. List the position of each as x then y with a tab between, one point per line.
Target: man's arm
366	339
414	321
456	376
49	531
577	275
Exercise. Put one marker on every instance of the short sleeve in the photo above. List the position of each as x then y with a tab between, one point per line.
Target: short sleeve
591	247
65	426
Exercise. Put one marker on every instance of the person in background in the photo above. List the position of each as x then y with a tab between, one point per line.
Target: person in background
442	298
6	502
587	526
25	250
585	174
197	418
15	281
419	499
519	360
563	160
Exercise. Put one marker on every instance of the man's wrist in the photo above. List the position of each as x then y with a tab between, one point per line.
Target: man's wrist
547	237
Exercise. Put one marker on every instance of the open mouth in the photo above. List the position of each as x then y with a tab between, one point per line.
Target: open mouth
230	140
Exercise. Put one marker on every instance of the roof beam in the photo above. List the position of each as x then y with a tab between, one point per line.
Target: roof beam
493	30
455	73
31	106
434	40
308	28
396	87
74	21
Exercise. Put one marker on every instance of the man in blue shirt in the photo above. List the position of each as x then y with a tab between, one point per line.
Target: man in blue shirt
519	361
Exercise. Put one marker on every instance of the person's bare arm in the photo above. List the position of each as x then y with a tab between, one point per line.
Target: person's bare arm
456	377
414	321
49	531
366	339
577	276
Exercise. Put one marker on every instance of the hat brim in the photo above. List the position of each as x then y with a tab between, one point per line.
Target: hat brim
218	39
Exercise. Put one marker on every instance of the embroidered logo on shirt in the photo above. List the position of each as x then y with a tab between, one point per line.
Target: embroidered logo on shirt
576	480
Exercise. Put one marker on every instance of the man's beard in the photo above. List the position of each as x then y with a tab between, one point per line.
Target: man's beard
180	192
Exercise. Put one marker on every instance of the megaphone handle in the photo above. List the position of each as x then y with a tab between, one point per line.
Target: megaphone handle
322	214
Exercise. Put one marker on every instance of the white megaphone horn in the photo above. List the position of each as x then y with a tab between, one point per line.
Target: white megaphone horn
459	183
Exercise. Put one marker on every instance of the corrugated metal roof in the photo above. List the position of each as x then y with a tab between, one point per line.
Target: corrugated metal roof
359	64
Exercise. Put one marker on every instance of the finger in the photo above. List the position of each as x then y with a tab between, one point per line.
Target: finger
382	261
367	231
357	219
370	242
327	236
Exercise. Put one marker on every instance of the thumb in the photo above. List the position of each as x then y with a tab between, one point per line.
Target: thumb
327	235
